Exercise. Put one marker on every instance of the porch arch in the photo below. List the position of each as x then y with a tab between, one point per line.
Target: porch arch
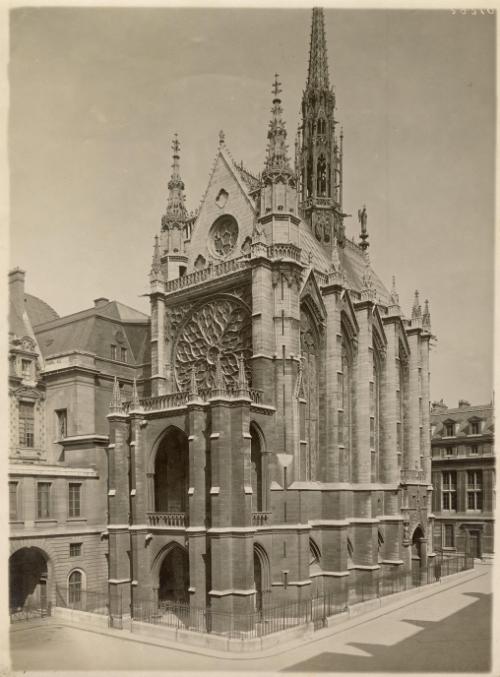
29	572
171	574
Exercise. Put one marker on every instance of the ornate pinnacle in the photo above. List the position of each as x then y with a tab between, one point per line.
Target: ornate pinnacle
426	317
116	404
416	313
135	402
277	150
219	386
368	291
363	220
317	75
155	274
176	212
193	384
242	377
394	306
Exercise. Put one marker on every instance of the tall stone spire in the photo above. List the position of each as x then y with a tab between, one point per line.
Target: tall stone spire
174	222
176	213
320	162
317	74
277	150
278	180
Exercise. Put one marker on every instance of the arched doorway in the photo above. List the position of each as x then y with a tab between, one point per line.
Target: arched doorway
172	473
173	580
417	558
28	576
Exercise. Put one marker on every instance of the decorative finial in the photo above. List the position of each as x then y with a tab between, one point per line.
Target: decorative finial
242	377
276	86
176	147
135	401
363	220
222	138
426	317
116	404
219	385
416	313
176	213
193	384
155	273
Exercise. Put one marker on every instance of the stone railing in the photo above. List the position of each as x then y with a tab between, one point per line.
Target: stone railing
261	519
208	273
284	251
413	476
167	519
173	400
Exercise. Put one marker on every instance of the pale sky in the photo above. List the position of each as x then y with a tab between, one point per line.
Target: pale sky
96	95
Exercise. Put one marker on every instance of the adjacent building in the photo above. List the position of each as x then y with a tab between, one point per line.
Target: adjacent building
463	476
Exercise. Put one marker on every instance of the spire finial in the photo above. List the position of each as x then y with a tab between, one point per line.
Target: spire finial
426	317
416	313
135	402
155	273
242	377
116	404
176	213
317	75
277	149
222	138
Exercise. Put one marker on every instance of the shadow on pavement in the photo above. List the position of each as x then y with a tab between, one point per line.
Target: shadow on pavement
460	642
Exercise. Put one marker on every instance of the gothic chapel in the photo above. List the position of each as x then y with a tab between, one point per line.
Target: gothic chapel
279	447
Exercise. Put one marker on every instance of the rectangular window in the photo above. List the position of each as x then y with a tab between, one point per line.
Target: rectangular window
43	497
449	490
74	500
27	424
113	352
474	428
474	490
62	423
340	390
12	500
473	450
123	353
75	549
449	540
448	451
26	368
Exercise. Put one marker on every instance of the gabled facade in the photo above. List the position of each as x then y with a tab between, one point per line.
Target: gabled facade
284	450
463	476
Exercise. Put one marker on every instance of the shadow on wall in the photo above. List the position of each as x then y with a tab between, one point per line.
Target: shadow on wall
466	635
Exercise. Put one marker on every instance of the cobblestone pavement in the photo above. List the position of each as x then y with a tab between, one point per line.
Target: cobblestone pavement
448	630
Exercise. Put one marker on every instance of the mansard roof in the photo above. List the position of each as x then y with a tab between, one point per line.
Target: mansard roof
463	417
94	330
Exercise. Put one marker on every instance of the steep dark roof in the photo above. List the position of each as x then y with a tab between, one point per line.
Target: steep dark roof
39	311
462	416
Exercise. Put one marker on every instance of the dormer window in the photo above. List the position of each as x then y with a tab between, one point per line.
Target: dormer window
113	352
123	354
475	427
449	429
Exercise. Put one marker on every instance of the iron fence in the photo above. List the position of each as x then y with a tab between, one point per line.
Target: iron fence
268	620
29	611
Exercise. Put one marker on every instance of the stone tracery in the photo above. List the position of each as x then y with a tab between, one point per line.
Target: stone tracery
220	326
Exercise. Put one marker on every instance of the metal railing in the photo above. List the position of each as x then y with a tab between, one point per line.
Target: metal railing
92	601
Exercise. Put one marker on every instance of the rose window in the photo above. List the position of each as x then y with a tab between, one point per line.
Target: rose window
223	235
219	327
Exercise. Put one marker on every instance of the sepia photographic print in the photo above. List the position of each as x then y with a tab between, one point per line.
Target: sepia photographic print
250	314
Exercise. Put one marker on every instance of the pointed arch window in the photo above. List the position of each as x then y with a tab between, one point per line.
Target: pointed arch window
310	349
322	177
375	416
344	408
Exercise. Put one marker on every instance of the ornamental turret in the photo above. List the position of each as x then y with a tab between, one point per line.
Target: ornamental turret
278	180
320	159
174	222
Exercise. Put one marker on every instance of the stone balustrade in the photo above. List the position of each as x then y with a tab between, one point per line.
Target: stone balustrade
261	519
167	519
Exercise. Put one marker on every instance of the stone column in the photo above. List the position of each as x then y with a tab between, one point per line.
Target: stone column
412	459
333	362
388	438
158	376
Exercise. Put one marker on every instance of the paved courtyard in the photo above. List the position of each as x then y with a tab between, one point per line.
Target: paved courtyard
449	630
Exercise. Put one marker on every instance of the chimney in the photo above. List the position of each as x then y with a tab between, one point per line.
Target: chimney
101	301
16	287
463	404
